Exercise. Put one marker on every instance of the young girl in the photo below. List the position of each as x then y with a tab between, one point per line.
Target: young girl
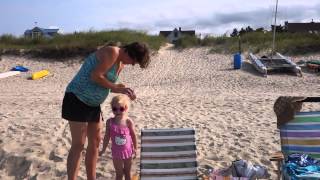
121	131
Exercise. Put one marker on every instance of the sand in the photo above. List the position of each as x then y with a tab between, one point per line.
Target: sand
231	110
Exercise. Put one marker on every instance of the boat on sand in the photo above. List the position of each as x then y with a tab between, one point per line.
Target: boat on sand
278	62
275	61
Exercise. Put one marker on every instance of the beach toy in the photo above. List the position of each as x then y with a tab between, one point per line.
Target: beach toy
20	68
39	74
8	74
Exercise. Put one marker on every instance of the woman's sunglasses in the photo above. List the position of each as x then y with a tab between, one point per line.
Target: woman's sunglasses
115	109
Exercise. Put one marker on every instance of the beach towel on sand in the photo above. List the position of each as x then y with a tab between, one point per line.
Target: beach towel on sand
285	108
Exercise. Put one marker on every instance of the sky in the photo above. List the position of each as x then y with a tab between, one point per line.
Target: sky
214	17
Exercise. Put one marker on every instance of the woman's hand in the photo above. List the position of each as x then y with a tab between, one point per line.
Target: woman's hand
121	85
123	90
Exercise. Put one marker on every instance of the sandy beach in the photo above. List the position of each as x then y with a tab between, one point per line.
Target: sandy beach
231	110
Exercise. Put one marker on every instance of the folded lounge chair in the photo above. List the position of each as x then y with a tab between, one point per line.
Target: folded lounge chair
300	135
168	154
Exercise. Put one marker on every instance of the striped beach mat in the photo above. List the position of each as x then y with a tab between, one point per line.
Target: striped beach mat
302	134
168	154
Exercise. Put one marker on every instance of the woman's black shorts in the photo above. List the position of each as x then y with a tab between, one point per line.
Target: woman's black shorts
75	110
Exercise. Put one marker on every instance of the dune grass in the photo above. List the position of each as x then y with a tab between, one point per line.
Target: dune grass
83	43
286	43
75	44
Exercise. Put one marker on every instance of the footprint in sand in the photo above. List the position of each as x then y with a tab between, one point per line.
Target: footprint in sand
9	163
54	157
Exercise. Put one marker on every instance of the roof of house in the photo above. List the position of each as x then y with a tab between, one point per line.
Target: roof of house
165	33
312	26
43	30
189	32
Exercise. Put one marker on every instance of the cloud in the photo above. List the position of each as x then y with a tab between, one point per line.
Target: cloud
262	17
201	15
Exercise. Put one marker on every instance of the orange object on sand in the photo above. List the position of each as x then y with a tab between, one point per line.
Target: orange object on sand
135	177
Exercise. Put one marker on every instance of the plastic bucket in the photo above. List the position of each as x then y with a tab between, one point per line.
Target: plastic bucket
237	61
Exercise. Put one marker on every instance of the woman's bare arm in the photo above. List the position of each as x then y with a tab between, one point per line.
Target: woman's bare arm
106	56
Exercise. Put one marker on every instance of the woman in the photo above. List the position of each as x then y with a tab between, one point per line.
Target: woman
87	90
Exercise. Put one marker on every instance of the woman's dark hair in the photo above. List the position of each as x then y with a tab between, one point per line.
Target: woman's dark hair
139	52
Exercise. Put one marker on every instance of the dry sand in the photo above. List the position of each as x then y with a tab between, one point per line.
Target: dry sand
231	110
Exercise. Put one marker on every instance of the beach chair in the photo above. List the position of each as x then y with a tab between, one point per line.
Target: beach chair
300	135
168	154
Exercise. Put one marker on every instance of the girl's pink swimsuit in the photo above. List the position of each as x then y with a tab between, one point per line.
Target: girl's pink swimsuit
122	147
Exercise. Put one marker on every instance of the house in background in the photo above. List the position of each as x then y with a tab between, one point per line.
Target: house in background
173	36
312	27
37	32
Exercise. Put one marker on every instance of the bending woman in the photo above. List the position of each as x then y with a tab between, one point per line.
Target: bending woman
87	91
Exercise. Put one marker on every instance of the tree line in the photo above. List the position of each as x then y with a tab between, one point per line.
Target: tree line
248	29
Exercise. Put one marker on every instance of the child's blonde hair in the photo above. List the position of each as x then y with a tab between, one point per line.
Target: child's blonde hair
121	100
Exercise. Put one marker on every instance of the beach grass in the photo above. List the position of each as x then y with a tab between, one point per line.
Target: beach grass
77	43
83	43
287	43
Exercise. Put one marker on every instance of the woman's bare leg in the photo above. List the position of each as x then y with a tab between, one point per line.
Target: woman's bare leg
118	165
94	138
127	168
78	136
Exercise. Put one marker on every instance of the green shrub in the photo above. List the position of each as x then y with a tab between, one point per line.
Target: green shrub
77	43
289	43
82	43
187	42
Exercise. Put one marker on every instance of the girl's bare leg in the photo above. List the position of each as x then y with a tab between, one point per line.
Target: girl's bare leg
127	168
118	165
